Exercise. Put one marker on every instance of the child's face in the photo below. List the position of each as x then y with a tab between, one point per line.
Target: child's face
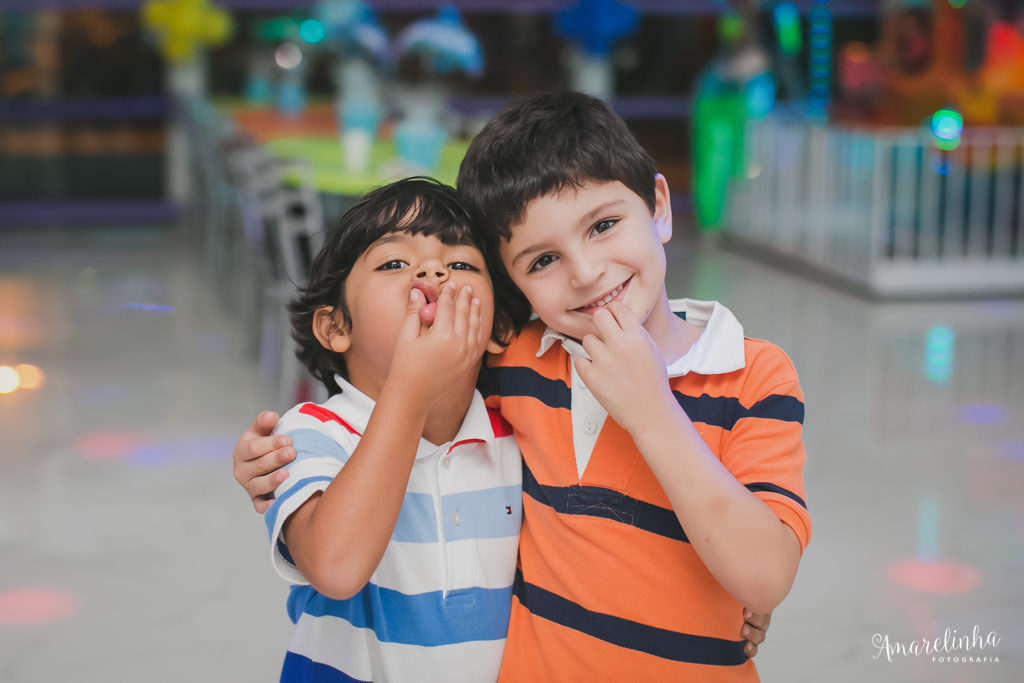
377	294
578	250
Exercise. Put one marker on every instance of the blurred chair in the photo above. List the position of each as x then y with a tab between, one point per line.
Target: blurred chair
282	222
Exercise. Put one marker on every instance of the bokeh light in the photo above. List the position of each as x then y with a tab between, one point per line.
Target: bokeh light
312	31
35	605
936	578
947	126
982	413
108	445
29	376
288	56
8	379
938	354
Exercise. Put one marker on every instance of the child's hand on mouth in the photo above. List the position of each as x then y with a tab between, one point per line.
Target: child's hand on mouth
429	308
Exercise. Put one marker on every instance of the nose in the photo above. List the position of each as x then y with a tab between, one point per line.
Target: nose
584	270
432	271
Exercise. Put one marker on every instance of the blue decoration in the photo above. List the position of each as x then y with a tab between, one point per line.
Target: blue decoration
450	46
595	25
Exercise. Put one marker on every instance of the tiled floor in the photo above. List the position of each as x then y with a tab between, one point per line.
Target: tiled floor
127	553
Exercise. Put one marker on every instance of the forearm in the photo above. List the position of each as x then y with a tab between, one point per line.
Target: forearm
338	540
744	545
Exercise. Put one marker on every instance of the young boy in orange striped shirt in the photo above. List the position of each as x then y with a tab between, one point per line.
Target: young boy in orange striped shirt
662	487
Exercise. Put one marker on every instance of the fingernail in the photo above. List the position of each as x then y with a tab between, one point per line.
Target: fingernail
745	631
747	614
413	294
476	301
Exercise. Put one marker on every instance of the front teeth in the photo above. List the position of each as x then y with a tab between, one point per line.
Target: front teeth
608	299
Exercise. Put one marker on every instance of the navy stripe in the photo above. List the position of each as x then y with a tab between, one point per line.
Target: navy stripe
671	645
765	486
426	619
596	501
298	669
521	381
726	411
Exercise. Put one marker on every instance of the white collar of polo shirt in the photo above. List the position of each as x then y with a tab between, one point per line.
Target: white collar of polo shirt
718	350
356	407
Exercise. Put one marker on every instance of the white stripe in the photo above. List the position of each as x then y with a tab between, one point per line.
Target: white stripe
337	643
412	568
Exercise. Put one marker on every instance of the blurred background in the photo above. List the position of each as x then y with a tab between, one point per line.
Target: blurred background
847	176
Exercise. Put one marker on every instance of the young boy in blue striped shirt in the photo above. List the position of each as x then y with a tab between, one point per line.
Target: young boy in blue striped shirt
399	521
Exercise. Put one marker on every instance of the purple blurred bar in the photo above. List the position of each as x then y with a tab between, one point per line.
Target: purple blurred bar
142	107
839	8
627	106
99	211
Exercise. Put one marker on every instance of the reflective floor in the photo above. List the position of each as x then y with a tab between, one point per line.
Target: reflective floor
127	552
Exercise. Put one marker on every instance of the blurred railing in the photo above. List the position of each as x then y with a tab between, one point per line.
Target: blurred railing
883	210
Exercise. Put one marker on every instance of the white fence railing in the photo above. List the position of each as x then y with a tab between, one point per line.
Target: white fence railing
883	210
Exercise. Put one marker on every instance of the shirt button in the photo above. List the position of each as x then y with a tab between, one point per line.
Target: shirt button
446	461
455	518
589	427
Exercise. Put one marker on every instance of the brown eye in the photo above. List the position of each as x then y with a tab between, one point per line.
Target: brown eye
542	262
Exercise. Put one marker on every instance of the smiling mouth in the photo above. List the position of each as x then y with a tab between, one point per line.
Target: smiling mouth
605	299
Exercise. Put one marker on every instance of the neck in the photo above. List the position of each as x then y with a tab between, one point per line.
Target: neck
671	334
448	412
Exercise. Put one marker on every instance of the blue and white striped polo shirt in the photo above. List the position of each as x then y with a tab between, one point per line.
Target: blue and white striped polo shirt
437	606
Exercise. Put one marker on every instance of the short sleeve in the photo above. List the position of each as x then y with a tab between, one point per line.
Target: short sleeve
764	449
319	456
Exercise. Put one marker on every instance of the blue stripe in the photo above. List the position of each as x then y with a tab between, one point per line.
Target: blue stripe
595	501
725	411
482	513
417	522
671	645
426	619
310	443
270	516
765	486
521	381
299	669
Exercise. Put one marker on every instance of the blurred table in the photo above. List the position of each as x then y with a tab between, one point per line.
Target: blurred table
313	136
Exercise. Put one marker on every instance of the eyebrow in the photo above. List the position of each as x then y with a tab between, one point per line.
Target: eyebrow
585	219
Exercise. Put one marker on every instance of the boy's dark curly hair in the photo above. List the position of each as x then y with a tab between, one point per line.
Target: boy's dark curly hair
437	211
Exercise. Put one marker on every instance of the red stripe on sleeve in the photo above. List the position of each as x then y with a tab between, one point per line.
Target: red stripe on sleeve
325	415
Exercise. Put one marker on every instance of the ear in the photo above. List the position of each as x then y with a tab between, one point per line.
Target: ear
330	331
662	208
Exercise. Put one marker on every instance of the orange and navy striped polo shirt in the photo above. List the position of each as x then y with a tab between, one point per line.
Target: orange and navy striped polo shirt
608	586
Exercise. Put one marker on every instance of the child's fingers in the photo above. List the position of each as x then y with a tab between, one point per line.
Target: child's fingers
475	324
606	324
264	423
258	447
463	303
261	489
623	316
444	316
757	621
750	650
411	323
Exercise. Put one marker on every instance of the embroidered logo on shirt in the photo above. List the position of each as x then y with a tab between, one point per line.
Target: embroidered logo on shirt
508	509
